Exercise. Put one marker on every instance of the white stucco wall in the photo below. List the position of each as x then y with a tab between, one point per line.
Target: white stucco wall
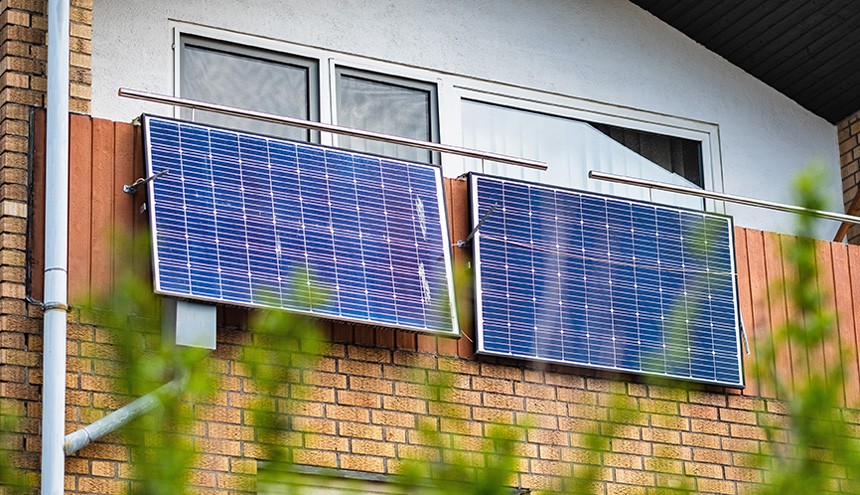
604	50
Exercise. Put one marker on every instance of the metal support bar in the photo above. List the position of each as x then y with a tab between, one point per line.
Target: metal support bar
132	188
79	439
852	209
465	242
594	174
336	129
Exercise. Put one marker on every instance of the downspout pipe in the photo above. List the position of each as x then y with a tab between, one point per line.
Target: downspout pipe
56	249
79	439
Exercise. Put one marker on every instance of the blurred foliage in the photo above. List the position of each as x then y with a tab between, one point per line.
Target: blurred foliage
162	447
13	479
816	444
282	346
813	449
489	470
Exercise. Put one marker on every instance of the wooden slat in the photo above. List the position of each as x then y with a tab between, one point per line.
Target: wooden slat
745	299
854	275
364	335
448	347
777	305
830	346
232	316
406	341
37	227
342	332
123	172
102	206
427	343
80	196
459	229
385	338
142	260
759	295
799	354
845	322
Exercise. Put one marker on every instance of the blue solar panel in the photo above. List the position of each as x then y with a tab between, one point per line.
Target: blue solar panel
263	222
590	280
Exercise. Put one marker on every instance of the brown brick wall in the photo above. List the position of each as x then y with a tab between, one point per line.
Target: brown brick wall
80	58
22	85
849	156
359	408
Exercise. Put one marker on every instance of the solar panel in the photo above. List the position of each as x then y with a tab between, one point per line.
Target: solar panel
596	281
264	222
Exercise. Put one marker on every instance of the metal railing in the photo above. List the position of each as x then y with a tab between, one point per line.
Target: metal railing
470	153
335	129
730	198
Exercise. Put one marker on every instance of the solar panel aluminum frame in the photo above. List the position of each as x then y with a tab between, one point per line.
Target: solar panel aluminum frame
476	217
454	331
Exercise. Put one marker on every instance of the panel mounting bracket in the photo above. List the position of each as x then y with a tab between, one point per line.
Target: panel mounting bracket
132	188
465	242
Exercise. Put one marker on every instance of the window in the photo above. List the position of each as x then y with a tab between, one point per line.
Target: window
271	81
571	135
677	155
249	78
390	105
570	147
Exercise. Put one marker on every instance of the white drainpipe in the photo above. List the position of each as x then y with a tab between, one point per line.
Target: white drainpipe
56	249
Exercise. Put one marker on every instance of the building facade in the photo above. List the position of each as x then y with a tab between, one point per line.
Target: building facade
581	85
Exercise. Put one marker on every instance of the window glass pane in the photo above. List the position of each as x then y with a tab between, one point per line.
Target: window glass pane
678	155
569	147
246	81
386	105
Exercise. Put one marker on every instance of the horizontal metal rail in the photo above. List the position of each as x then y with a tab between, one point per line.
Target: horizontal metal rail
730	198
335	129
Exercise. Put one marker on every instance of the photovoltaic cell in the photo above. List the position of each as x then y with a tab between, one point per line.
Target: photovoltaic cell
264	222
596	281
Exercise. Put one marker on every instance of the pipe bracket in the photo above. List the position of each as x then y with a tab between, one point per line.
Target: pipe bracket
56	305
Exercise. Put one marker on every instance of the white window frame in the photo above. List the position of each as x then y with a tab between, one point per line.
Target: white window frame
453	89
327	62
389	73
705	133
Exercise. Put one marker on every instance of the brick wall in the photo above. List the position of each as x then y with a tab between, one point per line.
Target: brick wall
23	28
359	406
849	156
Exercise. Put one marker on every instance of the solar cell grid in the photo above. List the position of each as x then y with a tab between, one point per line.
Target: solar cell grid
596	281
259	221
